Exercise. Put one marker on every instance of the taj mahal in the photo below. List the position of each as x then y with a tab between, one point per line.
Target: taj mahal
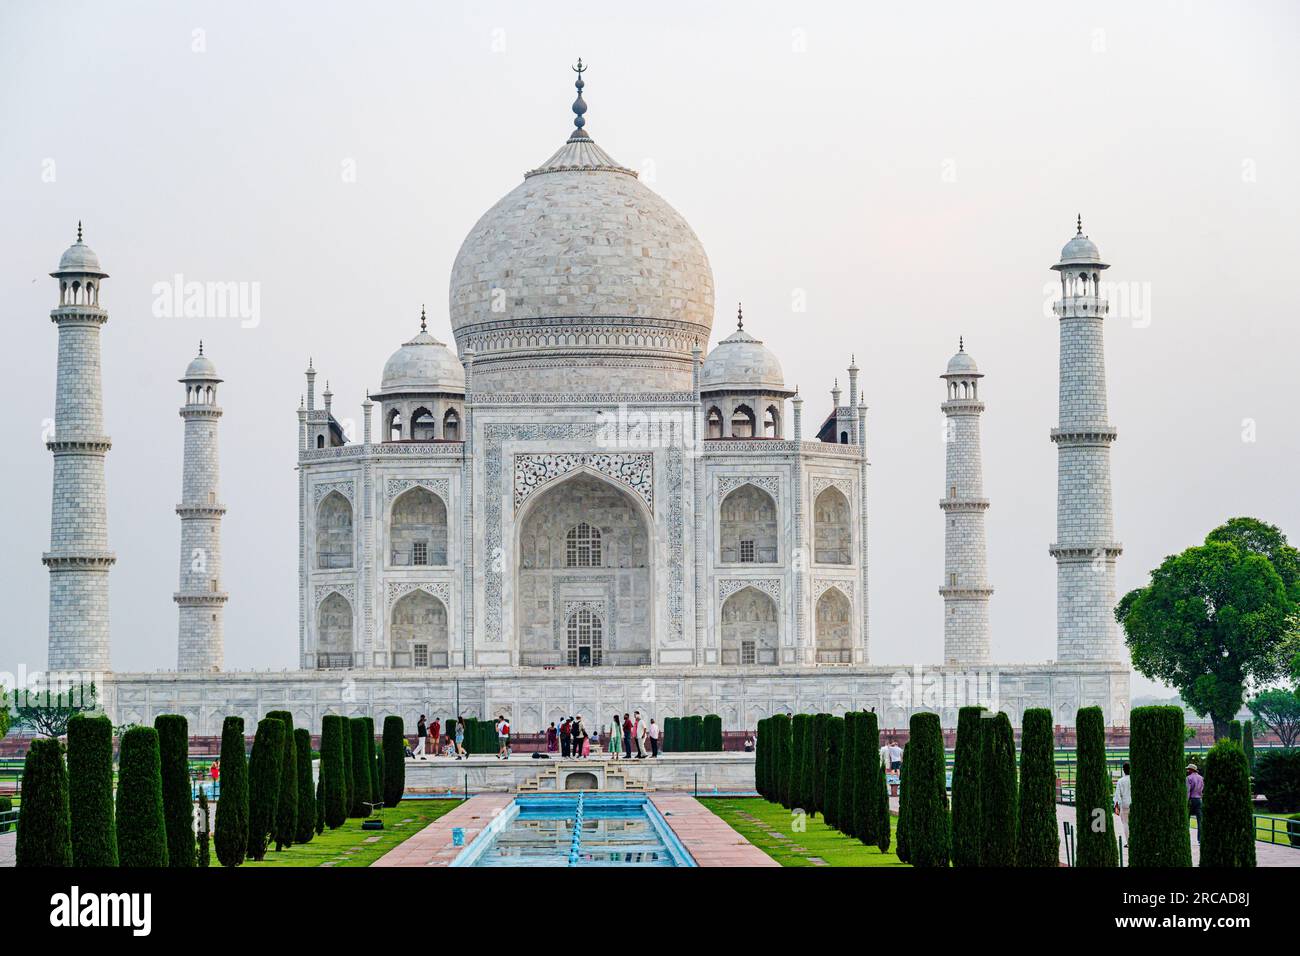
581	506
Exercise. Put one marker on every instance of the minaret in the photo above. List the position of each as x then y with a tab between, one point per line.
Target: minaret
201	641
1085	548
965	561
79	559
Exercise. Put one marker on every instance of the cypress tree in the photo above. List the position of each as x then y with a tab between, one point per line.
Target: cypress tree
900	836
334	744
928	842
306	809
361	769
694	733
43	837
1248	746
203	850
882	834
286	814
1227	811
1158	828
394	761
230	833
844	815
798	746
141	822
265	767
712	730
999	801
966	814
780	756
90	793
760	752
372	761
1234	731
178	801
1037	843
349	781
669	743
831	783
1093	803
815	774
866	775
320	803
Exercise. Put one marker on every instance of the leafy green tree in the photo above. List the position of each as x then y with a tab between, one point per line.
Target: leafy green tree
1216	619
306	815
928	837
5	714
394	760
1277	777
866	778
1279	711
1227	812
178	803
999	801
335	742
230	833
141	821
286	814
712	733
845	818
1093	803
320	802
1037	841
966	788
90	779
43	822
1158	827
372	761
265	768
48	712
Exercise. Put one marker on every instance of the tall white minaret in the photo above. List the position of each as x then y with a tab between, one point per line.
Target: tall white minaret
79	559
200	641
1085	548
965	559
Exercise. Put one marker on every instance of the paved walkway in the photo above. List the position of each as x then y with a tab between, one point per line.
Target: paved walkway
707	837
433	846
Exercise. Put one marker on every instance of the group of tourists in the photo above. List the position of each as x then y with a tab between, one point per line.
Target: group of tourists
625	738
438	744
1123	797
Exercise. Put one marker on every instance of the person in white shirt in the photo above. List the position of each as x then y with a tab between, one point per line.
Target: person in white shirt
884	756
895	756
1124	798
652	733
638	734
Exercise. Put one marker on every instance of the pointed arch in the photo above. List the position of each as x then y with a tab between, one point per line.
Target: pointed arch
747	527
418	631
334	538
832	528
423	425
334	632
834	623
744	423
417	529
750	629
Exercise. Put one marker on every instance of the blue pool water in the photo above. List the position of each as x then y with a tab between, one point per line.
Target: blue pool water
581	829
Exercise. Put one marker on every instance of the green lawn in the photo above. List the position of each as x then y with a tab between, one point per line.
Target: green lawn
349	845
757	819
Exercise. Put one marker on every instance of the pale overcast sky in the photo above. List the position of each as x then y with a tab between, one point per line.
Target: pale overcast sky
910	171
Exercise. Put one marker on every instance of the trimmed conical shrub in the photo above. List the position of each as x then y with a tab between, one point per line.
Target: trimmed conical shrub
265	767
694	734
780	735
203	848
844	815
831	771
362	768
286	814
712	731
761	751
372	761
320	803
1248	746
798	745
141	822
1093	803
230	830
335	742
1037	842
90	791
394	761
670	744
901	848
43	823
1234	731
350	781
866	778
1227	812
306	809
966	818
928	841
1158	827
815	770
178	801
999	802
883	828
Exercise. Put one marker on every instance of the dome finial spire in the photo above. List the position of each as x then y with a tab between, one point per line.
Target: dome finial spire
961	343
579	105
1079	225
78	230
423	322
740	316
200	346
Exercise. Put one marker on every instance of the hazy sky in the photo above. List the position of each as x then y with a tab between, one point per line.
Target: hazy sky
910	170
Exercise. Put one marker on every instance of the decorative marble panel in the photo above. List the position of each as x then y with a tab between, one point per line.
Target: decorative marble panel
634	471
323	488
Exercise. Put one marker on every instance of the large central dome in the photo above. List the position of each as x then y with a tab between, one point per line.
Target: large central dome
581	279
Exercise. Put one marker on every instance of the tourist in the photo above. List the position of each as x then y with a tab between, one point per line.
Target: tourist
615	738
214	771
1195	788
564	737
895	757
552	738
1124	798
749	745
585	750
652	734
435	735
638	732
884	753
460	738
421	731
627	736
503	738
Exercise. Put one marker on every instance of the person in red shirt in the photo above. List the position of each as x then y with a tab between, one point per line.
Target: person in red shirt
214	771
435	734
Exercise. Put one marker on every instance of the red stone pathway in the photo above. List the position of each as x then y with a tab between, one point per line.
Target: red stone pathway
707	837
432	846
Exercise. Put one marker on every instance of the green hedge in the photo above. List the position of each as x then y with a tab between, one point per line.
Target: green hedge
694	733
927	807
1158	826
362	768
349	781
1277	776
1227	812
712	731
372	761
178	801
394	761
230	830
334	743
794	772
286	814
669	740
830	802
866	778
999	801
901	847
1093	801
265	767
90	795
815	771
761	750
780	735
306	809
44	838
1038	843
966	819
141	822
845	818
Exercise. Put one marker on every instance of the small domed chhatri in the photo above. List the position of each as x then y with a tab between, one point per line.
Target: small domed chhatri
79	259
201	369
422	364
741	361
1080	250
963	363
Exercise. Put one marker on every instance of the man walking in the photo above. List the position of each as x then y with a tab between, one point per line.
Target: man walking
435	736
1124	799
565	727
503	738
652	733
638	731
627	736
1195	789
420	730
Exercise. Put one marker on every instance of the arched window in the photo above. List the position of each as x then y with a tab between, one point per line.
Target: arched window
423	426
418	631
320	441
334	632
747	527
743	422
714	423
451	426
582	547
771	423
834	628
832	528
585	638
750	628
394	425
334	532
419	529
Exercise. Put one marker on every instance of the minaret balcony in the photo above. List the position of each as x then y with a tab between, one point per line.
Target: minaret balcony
202	599
1085	435
964	504
1081	306
78	315
958	406
201	511
965	594
1084	554
86	445
78	560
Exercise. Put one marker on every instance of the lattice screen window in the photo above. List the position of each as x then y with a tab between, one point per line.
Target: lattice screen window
420	552
582	547
584	633
420	655
747	652
746	552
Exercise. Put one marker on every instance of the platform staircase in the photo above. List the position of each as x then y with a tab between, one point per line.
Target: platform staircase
611	775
